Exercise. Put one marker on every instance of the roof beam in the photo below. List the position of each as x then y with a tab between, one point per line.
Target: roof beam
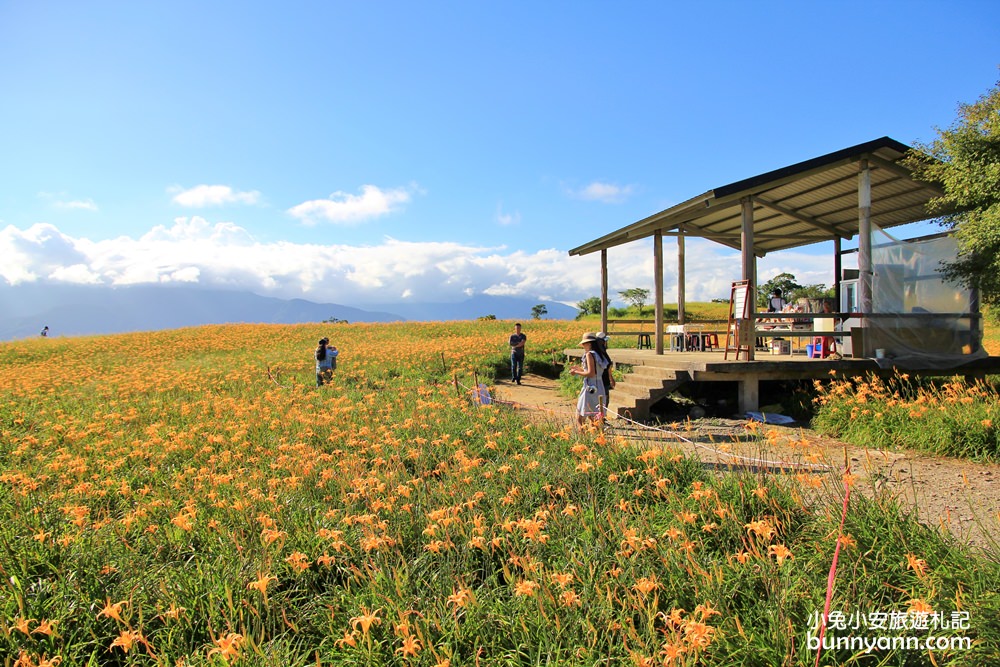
899	169
795	215
732	235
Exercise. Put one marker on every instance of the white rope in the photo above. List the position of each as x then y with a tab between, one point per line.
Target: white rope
518	404
674	434
758	461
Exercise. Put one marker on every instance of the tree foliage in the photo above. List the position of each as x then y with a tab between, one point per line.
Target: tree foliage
538	310
791	290
636	296
783	281
966	164
589	306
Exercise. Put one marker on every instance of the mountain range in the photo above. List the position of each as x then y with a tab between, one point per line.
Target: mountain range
75	310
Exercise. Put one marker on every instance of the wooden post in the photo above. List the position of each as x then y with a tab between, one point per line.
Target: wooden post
680	275
749	263
604	290
865	273
658	288
976	322
837	273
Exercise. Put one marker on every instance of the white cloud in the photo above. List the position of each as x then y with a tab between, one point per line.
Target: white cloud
195	251
345	208
507	219
79	205
80	274
202	196
609	193
62	201
36	252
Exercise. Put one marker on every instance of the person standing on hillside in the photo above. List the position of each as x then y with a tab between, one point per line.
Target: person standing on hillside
517	341
45	332
607	377
326	361
592	399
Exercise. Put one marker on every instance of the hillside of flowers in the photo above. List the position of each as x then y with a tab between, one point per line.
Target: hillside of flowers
191	497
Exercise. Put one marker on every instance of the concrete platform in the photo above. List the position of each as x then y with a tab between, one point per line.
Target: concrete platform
663	373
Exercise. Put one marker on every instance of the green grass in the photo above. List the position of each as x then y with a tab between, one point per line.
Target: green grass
164	501
953	417
694	312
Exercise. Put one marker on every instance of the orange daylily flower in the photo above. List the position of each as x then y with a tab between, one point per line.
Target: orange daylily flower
366	620
113	610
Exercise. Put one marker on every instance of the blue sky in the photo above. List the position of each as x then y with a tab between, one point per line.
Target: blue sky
367	152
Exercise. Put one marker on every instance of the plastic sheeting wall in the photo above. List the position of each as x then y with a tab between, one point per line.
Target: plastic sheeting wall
919	320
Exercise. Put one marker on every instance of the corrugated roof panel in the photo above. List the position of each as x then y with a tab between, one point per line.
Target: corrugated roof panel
805	203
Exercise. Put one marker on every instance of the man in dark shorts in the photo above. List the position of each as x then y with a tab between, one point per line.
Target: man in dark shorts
517	341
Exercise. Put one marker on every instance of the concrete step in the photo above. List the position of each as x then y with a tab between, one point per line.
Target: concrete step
646	372
652	369
634	395
632	391
651	381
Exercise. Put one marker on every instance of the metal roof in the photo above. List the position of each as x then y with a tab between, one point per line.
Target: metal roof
804	203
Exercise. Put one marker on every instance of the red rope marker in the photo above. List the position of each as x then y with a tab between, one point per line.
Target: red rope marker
833	566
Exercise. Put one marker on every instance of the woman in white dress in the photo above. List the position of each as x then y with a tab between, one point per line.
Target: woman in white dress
593	397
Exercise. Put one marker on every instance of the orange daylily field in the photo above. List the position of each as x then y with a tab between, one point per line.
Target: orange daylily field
190	497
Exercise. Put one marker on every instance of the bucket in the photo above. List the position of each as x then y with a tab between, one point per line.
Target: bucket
809	350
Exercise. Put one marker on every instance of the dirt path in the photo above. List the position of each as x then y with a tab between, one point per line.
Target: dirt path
960	496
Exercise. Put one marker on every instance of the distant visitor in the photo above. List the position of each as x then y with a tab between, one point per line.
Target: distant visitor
45	332
517	341
326	361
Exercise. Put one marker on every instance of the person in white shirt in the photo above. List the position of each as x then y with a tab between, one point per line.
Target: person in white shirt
776	304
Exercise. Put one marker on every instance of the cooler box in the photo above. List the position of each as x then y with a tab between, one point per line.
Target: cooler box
781	346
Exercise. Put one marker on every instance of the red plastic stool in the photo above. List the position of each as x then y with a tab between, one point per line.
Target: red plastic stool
823	347
709	341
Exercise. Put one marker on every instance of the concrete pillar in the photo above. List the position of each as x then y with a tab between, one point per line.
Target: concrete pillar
749	394
865	274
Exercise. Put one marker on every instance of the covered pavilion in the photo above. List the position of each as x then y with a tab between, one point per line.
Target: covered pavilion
828	198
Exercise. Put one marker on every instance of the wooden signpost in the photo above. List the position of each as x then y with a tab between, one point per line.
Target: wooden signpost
740	332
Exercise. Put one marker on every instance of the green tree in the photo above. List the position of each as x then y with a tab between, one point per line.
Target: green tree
966	164
635	296
589	306
817	291
783	281
538	310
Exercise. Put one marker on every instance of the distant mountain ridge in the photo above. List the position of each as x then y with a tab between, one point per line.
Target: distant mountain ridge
75	310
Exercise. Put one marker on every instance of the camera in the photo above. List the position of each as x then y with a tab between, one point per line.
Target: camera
591	390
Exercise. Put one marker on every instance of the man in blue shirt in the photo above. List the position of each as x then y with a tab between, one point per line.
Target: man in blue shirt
517	341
